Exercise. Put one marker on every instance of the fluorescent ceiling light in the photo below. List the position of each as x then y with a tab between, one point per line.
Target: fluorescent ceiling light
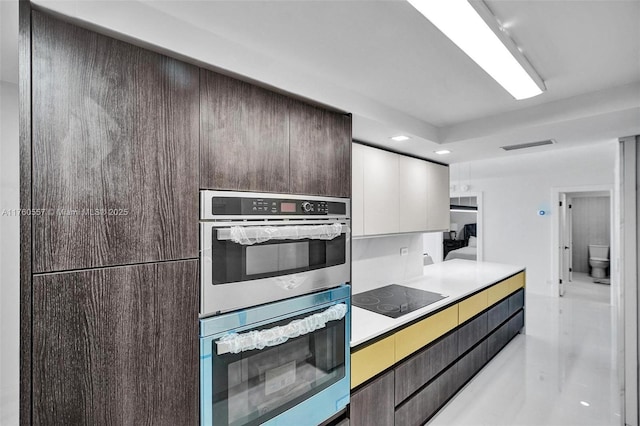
400	138
443	152
462	23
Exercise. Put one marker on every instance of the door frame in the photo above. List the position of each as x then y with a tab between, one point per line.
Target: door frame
479	219
556	196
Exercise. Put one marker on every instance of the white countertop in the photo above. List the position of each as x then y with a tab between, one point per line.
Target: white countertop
455	278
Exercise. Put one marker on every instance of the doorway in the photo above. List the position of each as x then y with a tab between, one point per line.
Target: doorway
584	241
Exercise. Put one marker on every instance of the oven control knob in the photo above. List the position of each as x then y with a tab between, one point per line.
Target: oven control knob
307	207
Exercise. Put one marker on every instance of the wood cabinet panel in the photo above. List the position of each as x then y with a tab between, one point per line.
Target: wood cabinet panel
426	403
381	198
516	323
497	314
373	404
497	340
115	149
116	346
357	191
369	361
244	132
471	333
413	190
471	306
418	335
424	366
320	151
516	301
438	197
471	363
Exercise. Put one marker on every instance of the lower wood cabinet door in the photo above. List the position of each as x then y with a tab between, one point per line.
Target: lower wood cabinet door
516	301
497	314
373	403
497	340
424	366
116	346
471	333
424	404
516	323
471	363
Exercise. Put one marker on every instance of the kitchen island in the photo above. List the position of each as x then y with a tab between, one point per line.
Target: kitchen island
404	369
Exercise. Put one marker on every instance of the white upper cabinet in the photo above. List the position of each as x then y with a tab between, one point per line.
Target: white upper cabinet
381	196
357	189
393	193
413	179
438	215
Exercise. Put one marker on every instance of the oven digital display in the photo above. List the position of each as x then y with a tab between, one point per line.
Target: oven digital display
288	207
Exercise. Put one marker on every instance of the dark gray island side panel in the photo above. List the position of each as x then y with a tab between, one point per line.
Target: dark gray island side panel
115	151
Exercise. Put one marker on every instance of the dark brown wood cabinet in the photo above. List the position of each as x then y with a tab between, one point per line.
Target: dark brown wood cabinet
245	136
115	151
320	142
116	346
373	404
424	366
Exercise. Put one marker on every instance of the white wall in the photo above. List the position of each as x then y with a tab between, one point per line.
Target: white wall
515	188
377	261
432	245
9	199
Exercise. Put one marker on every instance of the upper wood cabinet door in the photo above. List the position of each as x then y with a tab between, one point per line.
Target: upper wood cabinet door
320	142
115	151
244	136
117	346
381	198
413	194
438	197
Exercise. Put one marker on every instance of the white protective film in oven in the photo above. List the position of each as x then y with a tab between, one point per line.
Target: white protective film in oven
248	235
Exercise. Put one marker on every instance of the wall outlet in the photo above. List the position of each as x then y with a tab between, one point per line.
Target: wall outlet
404	251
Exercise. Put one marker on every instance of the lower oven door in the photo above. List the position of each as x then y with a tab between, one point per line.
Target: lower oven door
265	263
301	378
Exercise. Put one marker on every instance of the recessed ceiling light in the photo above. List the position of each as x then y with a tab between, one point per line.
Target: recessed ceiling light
471	32
585	403
400	138
443	152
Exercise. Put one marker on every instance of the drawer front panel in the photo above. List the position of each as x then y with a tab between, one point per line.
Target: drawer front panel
516	301
375	358
471	363
424	366
471	333
497	314
516	323
505	288
473	305
420	334
497	340
373	404
426	402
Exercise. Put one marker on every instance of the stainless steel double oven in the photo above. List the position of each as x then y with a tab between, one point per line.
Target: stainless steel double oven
275	308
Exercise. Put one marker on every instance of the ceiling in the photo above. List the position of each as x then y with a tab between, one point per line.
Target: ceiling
397	74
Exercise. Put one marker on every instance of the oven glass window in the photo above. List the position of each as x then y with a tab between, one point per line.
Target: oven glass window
254	386
233	262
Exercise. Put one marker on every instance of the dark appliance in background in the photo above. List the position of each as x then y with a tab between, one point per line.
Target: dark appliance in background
259	248
284	363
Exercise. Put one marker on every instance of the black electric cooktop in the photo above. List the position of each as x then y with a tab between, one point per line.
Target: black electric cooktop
395	300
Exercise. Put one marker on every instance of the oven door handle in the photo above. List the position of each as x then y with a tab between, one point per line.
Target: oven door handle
248	235
241	342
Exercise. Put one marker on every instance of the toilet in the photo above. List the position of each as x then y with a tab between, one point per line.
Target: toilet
598	260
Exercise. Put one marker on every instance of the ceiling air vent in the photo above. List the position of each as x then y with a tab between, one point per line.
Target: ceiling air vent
528	145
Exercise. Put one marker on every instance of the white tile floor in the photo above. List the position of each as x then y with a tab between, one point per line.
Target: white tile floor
561	372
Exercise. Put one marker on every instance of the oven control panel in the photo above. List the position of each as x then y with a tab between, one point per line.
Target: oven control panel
275	207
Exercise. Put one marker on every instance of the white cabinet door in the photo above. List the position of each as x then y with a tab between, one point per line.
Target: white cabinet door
437	197
357	189
413	194
380	192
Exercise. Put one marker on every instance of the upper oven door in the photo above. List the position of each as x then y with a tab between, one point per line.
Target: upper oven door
252	264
